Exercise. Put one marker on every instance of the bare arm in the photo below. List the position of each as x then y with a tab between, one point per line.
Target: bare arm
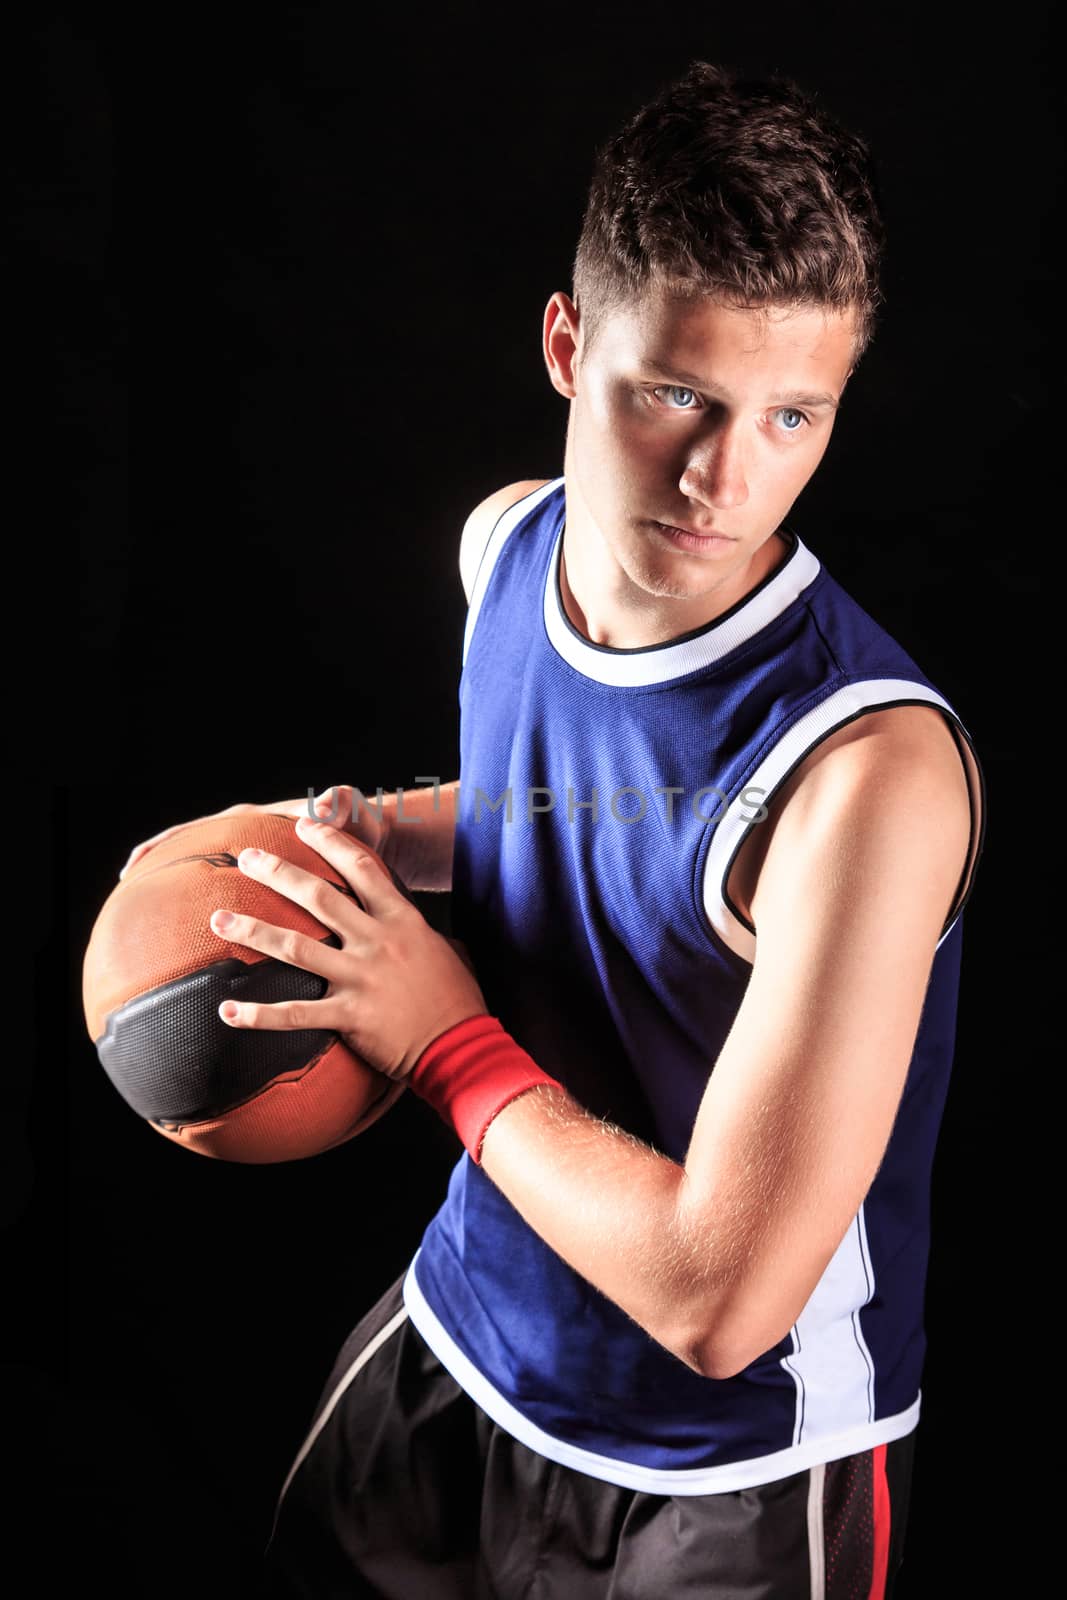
716	1258
421	834
413	830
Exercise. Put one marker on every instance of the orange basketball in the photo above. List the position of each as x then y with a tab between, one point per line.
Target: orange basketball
155	975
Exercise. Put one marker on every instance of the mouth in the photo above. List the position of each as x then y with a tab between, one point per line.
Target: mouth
688	539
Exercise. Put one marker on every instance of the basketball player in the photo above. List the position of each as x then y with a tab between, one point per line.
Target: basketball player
708	857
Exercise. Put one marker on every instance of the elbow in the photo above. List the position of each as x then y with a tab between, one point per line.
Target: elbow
726	1348
712	1359
708	1354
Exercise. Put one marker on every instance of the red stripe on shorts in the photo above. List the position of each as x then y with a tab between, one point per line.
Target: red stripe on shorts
882	1522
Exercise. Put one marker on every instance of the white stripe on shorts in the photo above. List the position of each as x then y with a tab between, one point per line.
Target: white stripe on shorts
358	1364
817	1531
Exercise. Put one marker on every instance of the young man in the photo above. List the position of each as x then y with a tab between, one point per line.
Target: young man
708	855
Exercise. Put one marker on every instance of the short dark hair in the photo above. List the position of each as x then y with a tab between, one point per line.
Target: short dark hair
743	190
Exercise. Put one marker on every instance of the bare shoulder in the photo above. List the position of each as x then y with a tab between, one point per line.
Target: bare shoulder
896	773
890	740
909	750
479	525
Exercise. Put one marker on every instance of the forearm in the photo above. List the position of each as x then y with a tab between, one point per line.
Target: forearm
421	834
616	1211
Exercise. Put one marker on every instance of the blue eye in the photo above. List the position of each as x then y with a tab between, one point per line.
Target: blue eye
676	388
791	411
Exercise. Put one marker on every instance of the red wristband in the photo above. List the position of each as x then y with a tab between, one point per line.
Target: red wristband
471	1072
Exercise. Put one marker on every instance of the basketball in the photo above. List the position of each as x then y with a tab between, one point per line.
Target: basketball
155	974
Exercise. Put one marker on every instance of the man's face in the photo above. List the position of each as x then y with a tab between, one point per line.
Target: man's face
695	416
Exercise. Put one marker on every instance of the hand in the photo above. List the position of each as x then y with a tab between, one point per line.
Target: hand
333	806
395	985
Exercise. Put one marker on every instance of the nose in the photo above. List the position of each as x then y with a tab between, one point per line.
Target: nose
714	473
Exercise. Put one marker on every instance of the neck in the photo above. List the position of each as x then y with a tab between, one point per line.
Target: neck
611	610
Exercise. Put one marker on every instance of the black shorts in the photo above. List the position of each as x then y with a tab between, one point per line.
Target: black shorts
404	1488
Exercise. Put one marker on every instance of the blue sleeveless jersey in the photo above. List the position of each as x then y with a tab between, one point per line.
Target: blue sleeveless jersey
604	795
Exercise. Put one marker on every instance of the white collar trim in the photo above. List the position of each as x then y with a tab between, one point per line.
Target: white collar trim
651	664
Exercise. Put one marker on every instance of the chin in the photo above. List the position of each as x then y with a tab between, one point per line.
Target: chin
664	582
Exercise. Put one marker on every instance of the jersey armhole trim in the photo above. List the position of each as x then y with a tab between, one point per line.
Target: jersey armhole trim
777	765
504	525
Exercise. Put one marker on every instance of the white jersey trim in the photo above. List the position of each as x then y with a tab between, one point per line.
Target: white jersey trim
654	663
632	1475
733	826
628	669
505	524
830	1362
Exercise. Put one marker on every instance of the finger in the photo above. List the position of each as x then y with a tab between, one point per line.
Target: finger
332	908
143	848
291	1015
284	944
333	805
376	892
134	856
338	806
288	808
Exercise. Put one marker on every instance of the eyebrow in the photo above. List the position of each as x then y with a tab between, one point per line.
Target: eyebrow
689	380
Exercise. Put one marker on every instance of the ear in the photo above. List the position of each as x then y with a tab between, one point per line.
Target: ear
561	341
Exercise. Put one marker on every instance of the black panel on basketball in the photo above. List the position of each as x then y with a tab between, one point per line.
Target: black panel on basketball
172	1058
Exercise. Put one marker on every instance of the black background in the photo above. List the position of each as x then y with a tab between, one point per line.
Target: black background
295	265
